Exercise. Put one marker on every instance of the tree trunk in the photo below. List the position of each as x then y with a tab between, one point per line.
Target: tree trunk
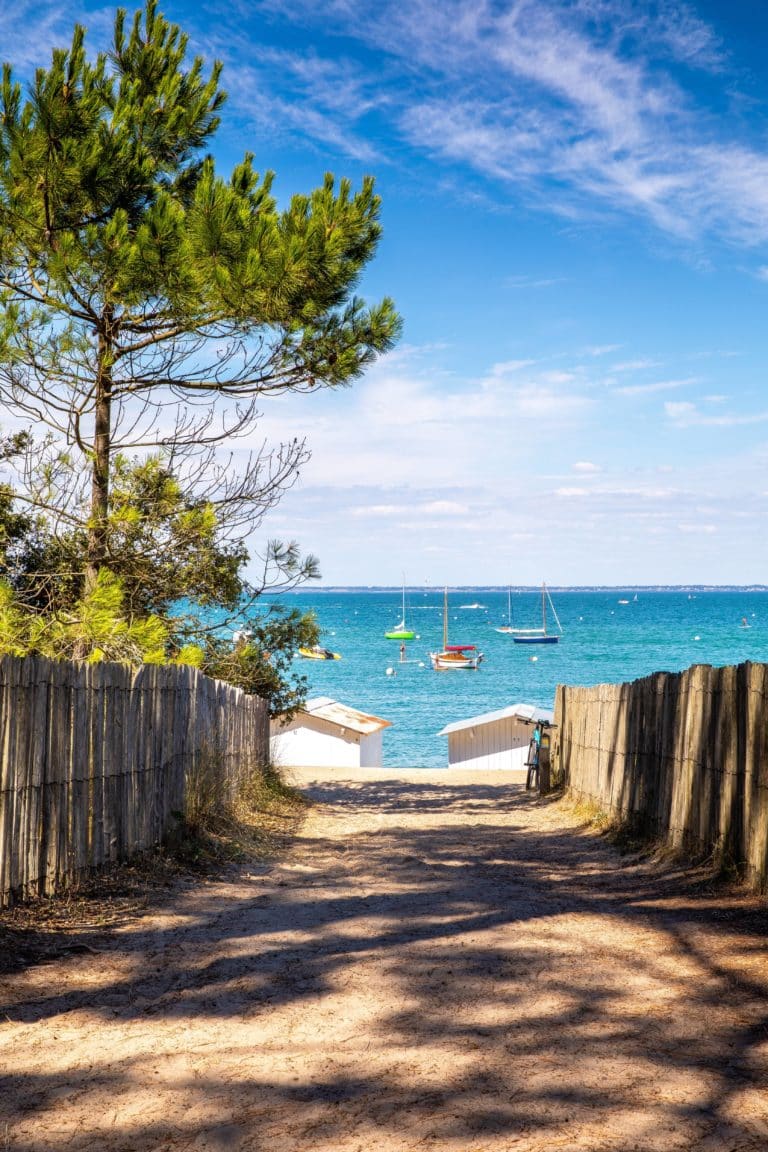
102	443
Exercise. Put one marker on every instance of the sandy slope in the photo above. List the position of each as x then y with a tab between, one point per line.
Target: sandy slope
440	962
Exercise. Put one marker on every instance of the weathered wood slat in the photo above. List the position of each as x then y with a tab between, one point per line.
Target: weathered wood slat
94	761
684	755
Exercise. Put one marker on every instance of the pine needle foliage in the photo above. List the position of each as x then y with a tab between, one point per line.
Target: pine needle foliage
146	301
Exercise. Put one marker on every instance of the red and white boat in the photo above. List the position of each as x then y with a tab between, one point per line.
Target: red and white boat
454	655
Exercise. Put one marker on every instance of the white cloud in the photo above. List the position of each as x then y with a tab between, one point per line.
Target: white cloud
508	367
579	101
634	365
685	415
444	508
586	466
597	350
555	377
655	386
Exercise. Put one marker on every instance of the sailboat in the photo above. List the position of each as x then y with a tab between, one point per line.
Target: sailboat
402	631
508	626
539	635
454	655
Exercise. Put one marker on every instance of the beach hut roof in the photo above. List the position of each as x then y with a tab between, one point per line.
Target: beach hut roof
344	716
526	712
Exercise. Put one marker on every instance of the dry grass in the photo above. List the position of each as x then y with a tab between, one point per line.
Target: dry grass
256	824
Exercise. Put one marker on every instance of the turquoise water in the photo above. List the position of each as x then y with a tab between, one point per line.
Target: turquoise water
603	641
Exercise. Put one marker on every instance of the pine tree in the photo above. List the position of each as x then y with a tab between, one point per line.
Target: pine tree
147	302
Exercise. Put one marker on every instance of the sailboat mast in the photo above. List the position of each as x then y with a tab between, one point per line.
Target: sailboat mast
445	619
543	609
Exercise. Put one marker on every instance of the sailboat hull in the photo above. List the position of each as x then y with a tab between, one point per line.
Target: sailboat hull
399	635
535	639
445	661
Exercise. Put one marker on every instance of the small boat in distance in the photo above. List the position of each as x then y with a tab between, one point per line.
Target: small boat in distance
539	635
454	655
402	631
318	653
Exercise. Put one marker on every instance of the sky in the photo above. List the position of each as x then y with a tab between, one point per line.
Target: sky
575	232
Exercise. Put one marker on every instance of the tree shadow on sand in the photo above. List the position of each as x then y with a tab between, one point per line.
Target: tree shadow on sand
515	980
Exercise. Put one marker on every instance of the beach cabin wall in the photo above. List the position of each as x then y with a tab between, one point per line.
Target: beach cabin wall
499	744
311	742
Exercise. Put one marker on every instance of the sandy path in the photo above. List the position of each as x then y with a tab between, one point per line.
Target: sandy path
440	962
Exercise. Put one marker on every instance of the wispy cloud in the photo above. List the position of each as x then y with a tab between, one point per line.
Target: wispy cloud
634	365
598	350
320	99
414	457
654	386
588	105
533	281
685	414
581	102
619	493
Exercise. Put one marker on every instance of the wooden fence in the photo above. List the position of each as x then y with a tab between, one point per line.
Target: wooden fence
95	761
682	756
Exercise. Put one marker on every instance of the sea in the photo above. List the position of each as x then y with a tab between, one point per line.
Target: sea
609	635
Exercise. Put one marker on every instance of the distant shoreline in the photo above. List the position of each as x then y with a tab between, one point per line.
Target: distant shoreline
561	589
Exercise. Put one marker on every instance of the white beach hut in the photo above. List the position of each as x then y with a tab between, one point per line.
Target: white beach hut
327	734
494	739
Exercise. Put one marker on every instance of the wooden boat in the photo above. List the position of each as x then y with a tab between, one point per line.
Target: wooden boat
318	653
402	631
539	635
454	655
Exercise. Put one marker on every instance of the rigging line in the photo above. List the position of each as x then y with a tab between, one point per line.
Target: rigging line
554	611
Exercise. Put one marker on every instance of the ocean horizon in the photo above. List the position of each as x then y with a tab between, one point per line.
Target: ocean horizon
411	588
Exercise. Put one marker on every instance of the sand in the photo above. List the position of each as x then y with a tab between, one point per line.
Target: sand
439	961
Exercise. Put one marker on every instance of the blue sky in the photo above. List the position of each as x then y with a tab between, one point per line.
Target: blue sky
575	211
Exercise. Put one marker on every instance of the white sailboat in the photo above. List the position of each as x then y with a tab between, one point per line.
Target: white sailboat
508	626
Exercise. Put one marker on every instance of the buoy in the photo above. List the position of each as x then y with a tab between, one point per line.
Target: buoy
390	671
534	658
697	637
